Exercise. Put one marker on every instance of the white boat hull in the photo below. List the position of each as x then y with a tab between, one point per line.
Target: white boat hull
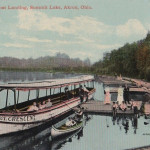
18	122
56	133
10	123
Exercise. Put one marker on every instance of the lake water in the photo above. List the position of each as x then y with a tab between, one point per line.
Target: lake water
98	133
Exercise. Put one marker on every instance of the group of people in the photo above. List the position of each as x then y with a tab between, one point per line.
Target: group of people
40	106
123	106
123	101
83	91
116	107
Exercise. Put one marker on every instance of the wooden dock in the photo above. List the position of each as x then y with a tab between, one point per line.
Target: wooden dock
93	106
132	89
136	86
142	84
109	80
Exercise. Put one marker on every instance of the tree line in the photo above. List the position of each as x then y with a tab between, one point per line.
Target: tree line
59	62
131	60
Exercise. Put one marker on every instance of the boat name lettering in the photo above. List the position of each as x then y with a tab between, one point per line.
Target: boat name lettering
2	118
18	118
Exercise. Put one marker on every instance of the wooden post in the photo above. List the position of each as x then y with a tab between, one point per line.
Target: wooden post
28	95
60	93
93	84
50	91
74	90
37	94
18	97
46	92
14	99
6	98
54	91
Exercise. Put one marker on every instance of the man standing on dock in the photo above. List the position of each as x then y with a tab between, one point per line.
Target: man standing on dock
126	94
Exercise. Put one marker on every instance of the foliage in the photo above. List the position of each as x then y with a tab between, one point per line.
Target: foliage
61	62
131	60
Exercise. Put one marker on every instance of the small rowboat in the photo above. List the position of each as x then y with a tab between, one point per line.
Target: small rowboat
63	130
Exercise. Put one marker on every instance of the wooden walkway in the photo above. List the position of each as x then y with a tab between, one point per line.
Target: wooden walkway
142	84
93	106
134	84
132	89
109	80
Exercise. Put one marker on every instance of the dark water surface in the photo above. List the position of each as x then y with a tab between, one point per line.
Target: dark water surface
99	132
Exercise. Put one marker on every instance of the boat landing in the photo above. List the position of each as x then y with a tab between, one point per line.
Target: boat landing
94	106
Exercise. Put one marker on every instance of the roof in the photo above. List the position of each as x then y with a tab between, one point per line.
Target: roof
47	83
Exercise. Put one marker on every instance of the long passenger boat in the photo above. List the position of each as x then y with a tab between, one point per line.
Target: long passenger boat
16	117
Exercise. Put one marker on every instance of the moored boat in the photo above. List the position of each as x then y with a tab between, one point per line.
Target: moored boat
64	130
17	118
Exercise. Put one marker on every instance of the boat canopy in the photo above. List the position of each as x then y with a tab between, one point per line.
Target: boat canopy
45	84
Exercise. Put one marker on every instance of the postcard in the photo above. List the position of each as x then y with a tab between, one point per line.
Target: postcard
74	74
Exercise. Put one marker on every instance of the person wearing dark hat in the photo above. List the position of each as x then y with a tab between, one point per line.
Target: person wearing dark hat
81	93
126	94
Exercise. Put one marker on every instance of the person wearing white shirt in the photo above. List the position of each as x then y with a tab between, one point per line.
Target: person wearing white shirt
33	107
70	122
48	104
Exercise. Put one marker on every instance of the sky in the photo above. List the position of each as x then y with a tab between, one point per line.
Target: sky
77	32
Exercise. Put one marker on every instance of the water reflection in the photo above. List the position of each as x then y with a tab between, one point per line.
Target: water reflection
124	121
40	139
11	76
57	144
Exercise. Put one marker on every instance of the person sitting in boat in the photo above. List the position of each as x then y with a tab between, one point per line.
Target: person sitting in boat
70	122
49	103
123	106
33	107
79	115
67	93
42	106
